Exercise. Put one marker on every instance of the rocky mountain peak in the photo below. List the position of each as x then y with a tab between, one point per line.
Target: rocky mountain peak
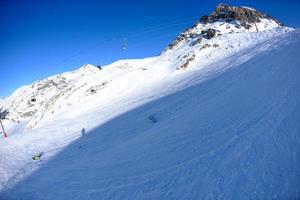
226	19
245	15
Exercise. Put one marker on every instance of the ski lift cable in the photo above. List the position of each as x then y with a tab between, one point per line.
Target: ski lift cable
112	39
125	45
168	26
140	43
147	30
162	26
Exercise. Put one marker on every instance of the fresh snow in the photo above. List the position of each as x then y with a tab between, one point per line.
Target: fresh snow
227	125
248	8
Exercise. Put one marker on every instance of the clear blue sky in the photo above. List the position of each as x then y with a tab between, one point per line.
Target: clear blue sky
39	38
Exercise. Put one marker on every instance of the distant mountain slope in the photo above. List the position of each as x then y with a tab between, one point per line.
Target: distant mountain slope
226	113
225	32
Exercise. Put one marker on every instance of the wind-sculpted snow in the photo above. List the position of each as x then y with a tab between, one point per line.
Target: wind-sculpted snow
223	130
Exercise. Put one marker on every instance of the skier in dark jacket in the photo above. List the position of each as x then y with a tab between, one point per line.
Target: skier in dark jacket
82	131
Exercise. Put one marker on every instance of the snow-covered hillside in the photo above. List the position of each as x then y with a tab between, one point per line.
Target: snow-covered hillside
225	98
210	40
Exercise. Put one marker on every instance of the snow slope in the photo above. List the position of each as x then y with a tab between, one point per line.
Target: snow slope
191	50
229	131
227	111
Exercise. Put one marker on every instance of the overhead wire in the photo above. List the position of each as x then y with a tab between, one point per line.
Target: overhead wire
130	35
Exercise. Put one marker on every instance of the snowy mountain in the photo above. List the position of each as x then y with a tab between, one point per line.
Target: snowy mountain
226	20
215	116
223	33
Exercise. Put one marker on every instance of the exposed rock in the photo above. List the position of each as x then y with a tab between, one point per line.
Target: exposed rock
232	17
205	19
94	89
198	41
187	34
205	46
175	42
185	65
246	16
209	33
28	114
99	67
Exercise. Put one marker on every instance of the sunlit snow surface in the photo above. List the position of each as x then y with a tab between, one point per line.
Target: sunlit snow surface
227	126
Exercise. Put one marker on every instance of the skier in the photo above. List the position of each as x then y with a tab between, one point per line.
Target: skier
37	156
152	118
82	131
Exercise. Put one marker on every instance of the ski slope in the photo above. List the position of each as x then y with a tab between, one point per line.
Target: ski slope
226	112
229	130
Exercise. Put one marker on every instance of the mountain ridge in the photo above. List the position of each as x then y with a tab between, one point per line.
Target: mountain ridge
212	38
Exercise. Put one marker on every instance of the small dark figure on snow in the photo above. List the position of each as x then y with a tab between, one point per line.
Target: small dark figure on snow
152	118
82	131
37	156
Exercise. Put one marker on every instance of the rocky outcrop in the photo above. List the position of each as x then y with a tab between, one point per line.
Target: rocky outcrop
95	88
232	20
184	36
187	62
176	42
247	16
209	33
